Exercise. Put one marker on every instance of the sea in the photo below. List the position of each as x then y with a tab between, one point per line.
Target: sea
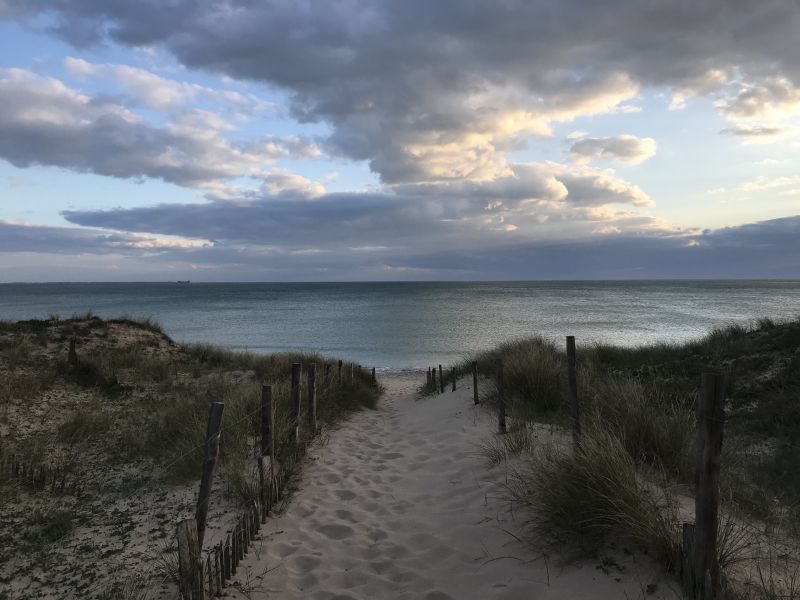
397	326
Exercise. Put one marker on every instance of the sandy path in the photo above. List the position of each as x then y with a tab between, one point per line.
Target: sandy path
398	504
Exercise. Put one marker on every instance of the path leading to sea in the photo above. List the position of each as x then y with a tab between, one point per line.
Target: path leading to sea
398	503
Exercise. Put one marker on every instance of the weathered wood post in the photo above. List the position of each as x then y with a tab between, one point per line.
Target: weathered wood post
572	377
190	567
373	375
327	376
711	418
441	380
433	378
209	463
501	398
267	468
454	379
475	381
294	405
312	398
72	357
340	372
428	378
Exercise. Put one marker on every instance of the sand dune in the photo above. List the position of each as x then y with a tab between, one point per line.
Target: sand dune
398	503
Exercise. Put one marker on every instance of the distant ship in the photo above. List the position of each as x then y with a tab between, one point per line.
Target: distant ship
187	281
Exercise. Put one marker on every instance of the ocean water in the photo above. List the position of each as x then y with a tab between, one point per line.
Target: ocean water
413	325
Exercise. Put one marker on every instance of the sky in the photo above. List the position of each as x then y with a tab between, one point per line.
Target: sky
349	140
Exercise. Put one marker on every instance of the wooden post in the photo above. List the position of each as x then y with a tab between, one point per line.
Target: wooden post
428	377
210	462
294	408
373	375
475	381
433	378
340	371
327	375
226	560
711	418
352	372
72	357
210	575
501	399
312	398
572	377
189	564
266	463
441	380
687	560
218	568
454	379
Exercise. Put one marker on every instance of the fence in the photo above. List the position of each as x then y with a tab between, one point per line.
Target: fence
698	566
203	576
58	479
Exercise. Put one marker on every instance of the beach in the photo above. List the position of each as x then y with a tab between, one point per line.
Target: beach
398	502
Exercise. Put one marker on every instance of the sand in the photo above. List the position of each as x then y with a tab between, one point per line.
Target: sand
398	503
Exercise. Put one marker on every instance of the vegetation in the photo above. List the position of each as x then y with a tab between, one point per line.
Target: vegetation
128	421
640	442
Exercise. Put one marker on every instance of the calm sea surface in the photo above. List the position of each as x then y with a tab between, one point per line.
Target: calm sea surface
403	325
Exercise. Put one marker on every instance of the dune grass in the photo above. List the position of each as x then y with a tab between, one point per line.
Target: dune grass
583	498
639	438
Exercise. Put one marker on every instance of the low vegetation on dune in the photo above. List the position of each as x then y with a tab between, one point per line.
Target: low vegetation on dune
124	427
634	476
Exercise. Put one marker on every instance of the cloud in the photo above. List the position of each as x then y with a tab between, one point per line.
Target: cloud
24	237
160	93
627	149
757	134
44	122
440	91
763	249
775	97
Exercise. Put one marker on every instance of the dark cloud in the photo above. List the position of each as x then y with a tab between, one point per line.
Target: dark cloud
768	249
439	90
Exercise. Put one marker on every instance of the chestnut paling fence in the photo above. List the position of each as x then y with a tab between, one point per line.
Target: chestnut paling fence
205	572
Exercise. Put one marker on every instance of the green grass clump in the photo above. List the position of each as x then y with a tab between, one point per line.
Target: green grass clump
585	498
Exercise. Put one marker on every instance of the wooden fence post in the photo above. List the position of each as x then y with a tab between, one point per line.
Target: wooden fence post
294	405
475	381
501	398
454	379
210	462
266	472
433	379
312	398
687	559
72	357
441	380
428	377
189	565
327	376
373	375
572	377
340	371
711	418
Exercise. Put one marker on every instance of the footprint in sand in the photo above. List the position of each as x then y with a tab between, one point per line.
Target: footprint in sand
344	495
336	532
